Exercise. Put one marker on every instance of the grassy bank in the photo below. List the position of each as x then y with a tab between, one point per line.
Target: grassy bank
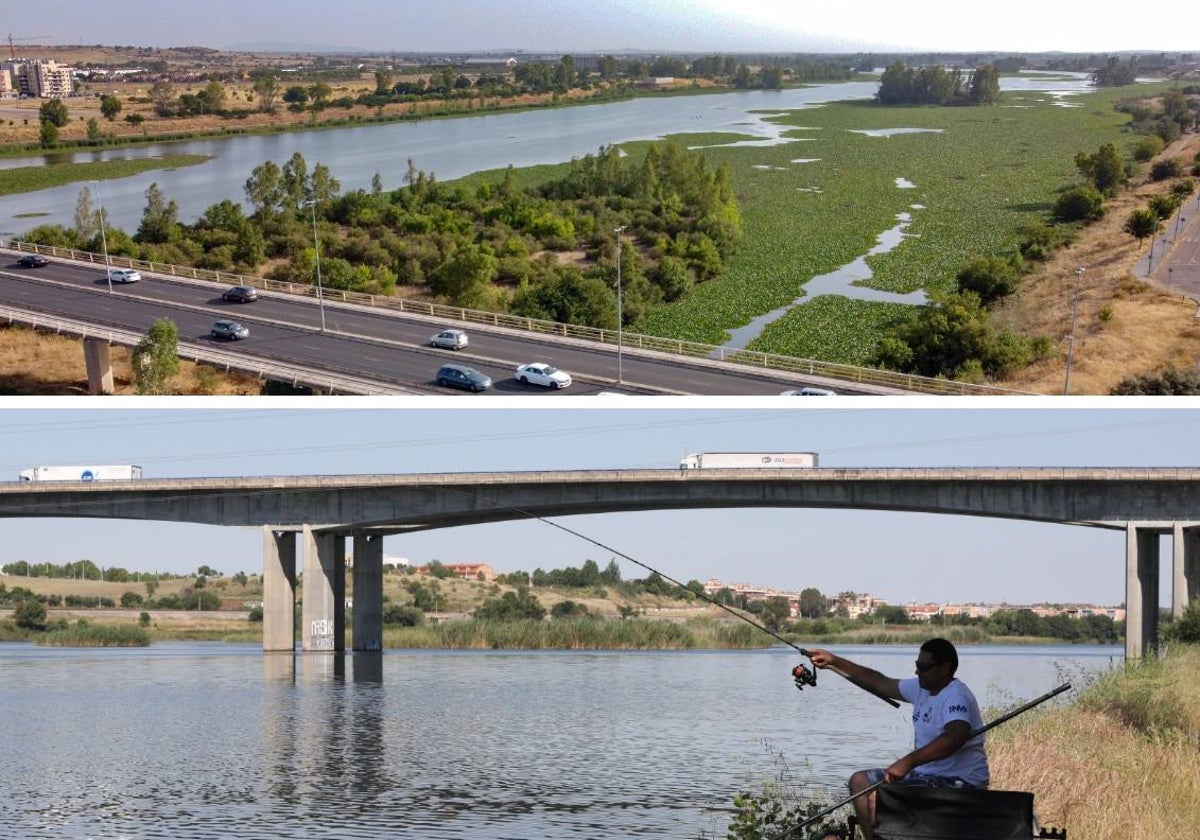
1122	763
31	178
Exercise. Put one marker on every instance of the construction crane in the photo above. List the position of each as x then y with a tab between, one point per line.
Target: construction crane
12	51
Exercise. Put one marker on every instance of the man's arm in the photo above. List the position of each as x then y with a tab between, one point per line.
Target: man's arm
955	734
861	676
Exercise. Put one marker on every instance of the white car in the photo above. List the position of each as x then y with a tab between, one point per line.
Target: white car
123	275
548	376
451	339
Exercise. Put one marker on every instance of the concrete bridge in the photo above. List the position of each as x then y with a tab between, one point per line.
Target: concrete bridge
315	515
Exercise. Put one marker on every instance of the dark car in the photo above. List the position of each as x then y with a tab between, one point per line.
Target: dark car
33	261
461	376
231	330
240	294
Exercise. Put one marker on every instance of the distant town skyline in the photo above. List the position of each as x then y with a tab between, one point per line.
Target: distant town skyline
902	557
608	25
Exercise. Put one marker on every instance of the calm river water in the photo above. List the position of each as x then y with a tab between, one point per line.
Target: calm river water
220	741
449	148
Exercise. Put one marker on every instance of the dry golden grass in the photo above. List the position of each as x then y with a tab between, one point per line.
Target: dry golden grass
1151	327
1101	778
37	364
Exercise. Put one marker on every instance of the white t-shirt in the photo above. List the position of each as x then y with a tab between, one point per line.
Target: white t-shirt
930	715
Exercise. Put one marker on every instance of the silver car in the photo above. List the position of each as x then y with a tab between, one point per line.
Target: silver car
450	339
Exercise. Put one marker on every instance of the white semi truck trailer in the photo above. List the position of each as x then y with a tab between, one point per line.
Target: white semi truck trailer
749	461
107	472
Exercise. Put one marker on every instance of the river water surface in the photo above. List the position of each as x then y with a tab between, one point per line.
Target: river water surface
222	741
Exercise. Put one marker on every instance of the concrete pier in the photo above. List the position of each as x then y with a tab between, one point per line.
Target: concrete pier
279	589
97	355
368	591
323	615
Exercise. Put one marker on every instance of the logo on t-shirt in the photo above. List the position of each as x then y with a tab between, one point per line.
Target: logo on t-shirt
957	707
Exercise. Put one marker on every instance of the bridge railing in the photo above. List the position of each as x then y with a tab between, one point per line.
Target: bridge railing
320	381
632	341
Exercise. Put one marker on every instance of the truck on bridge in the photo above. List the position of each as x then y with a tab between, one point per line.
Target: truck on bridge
749	461
109	472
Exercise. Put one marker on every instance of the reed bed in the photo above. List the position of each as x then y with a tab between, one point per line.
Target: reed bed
1122	763
575	634
95	635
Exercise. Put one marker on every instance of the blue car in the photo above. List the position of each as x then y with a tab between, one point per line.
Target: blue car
461	376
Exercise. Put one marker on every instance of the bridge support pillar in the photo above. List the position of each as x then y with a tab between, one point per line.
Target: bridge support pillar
279	589
1185	583
324	610
1141	590
368	591
97	356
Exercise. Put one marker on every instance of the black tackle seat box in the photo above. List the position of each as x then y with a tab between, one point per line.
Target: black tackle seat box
908	812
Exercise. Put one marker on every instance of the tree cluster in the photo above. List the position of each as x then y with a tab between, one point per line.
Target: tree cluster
935	85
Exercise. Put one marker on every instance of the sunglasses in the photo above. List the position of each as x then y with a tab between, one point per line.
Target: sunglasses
925	667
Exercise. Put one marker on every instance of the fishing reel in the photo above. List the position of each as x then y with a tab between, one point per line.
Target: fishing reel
803	675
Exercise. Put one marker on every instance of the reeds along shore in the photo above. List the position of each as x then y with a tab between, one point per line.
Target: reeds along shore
1122	762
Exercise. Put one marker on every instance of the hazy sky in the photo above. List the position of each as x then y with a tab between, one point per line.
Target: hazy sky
899	556
611	25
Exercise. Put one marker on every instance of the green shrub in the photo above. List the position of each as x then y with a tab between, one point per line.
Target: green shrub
402	615
1079	204
1148	147
30	613
1164	169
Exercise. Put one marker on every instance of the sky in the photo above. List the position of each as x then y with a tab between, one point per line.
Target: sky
902	557
610	25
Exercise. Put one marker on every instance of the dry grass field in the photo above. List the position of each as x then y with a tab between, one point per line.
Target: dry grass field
1150	327
37	364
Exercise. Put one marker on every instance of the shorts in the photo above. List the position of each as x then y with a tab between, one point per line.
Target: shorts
875	775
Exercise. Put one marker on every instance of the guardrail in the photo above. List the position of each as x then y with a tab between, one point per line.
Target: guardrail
320	381
632	341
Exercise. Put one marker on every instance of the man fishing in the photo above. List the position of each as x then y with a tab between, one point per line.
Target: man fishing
944	714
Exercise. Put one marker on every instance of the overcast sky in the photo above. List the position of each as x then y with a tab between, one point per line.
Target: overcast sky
900	556
612	25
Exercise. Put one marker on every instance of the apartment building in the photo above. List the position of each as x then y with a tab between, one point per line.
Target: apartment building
37	78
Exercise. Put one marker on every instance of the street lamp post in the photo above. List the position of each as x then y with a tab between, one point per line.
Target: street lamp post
1071	340
620	311
317	249
104	238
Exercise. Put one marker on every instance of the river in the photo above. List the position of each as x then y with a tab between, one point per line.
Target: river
221	741
449	148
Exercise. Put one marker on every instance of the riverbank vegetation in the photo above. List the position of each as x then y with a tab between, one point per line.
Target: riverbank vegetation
1122	762
30	178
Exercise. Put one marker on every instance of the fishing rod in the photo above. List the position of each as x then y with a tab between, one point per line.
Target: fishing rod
974	732
801	674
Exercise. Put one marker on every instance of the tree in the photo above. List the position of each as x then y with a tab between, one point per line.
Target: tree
776	611
162	95
984	88
87	219
1187	628
991	278
48	135
463	279
110	106
266	88
264	189
568	609
93	129
812	603
384	80
30	613
160	218
212	97
1142	223
156	357
53	111
151	588
1104	169
510	606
